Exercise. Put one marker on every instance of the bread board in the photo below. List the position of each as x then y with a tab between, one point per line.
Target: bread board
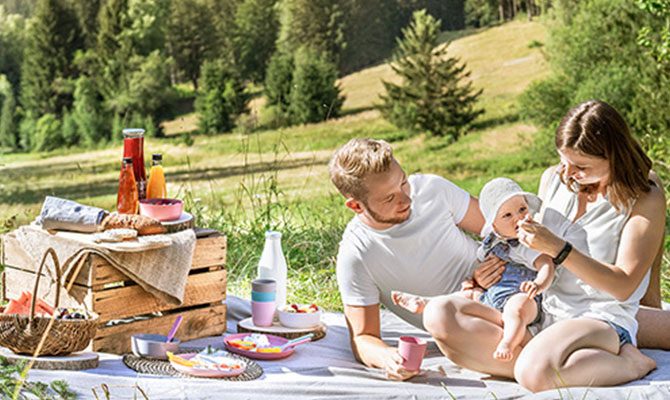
186	221
142	243
71	362
277	329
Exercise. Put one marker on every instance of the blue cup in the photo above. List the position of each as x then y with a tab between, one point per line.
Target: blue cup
263	296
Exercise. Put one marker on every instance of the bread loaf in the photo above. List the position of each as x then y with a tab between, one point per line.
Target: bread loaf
142	224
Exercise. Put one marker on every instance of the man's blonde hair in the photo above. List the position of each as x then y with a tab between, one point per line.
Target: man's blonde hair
355	161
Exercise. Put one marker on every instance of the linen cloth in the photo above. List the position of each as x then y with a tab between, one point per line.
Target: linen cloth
69	215
161	272
326	369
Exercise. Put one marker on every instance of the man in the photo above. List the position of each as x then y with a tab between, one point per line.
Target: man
406	236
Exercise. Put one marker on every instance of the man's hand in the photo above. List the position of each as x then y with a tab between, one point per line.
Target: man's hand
531	288
393	366
489	271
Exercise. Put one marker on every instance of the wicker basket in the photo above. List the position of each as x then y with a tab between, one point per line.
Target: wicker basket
22	334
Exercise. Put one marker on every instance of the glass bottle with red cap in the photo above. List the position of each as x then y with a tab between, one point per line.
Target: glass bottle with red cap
133	147
127	198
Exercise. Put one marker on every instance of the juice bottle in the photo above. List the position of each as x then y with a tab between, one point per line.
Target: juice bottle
156	187
133	147
127	199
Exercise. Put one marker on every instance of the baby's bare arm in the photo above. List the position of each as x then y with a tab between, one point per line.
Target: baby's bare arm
545	272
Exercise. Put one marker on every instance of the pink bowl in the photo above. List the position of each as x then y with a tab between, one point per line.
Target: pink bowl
162	209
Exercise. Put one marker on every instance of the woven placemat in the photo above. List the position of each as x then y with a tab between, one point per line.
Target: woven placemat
153	366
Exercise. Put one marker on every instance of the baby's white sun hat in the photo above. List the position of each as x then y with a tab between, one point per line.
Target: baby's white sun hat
495	193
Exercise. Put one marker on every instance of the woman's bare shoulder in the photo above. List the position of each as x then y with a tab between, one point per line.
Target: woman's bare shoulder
653	202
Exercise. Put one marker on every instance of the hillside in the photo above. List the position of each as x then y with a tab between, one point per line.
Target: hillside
245	183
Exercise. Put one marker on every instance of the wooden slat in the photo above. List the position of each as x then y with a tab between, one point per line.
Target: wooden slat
197	323
17	281
208	287
209	252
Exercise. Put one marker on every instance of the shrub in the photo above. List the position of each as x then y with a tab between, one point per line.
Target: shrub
48	134
221	99
87	114
315	95
545	102
69	130
278	83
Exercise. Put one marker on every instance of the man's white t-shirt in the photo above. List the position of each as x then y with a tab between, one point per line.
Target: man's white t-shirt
427	255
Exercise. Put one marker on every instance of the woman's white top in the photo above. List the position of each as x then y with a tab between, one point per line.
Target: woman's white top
596	233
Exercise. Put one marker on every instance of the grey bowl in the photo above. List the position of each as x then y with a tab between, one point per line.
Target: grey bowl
152	345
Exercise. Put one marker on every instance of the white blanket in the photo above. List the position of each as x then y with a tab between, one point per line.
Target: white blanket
327	369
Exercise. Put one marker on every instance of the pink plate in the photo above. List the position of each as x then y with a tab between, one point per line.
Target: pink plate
203	371
274	341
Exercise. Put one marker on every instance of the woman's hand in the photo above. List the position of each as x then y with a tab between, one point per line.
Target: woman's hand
537	237
489	271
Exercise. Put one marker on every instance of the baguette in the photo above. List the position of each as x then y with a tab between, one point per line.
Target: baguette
142	224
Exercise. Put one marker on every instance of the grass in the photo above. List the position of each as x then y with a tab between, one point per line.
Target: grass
243	184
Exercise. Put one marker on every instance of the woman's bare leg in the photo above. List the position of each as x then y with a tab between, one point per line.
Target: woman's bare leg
579	352
519	311
468	333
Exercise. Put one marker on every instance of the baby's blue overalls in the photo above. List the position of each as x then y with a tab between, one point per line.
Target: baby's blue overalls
514	275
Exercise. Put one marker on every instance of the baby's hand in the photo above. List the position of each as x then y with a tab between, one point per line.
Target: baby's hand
529	287
468	284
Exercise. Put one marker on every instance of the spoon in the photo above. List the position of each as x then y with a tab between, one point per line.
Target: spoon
175	326
296	341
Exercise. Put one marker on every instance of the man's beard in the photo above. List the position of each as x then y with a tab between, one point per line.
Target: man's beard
378	218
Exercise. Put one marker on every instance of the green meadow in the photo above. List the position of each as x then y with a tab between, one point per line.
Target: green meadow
256	178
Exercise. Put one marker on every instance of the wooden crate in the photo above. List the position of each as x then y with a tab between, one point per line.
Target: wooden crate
112	295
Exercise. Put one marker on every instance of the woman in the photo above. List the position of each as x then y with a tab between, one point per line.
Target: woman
604	217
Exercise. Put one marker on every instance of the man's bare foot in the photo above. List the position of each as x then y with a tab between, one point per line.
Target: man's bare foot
641	364
410	302
503	352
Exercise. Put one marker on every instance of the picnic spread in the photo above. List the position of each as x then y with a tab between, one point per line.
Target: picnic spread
146	292
326	369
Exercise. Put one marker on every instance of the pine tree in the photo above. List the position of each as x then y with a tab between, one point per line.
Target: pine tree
189	34
47	69
317	24
8	128
433	96
257	26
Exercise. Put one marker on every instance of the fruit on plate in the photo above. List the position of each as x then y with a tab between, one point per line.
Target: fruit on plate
294	308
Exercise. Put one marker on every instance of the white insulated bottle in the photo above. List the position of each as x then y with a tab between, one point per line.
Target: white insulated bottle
272	265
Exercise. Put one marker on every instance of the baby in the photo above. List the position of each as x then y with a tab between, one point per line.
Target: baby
528	273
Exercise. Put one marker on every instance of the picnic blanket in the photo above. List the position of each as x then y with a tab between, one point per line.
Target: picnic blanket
327	369
161	272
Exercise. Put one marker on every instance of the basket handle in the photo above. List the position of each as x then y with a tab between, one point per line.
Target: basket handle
51	252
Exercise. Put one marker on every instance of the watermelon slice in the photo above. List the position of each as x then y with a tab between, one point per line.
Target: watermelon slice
22	305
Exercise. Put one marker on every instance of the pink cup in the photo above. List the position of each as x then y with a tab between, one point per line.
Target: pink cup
263	312
412	350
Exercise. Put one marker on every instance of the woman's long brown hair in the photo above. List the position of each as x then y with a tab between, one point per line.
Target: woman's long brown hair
594	128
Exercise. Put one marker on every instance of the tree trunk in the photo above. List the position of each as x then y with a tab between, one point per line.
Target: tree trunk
513	9
501	9
529	6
